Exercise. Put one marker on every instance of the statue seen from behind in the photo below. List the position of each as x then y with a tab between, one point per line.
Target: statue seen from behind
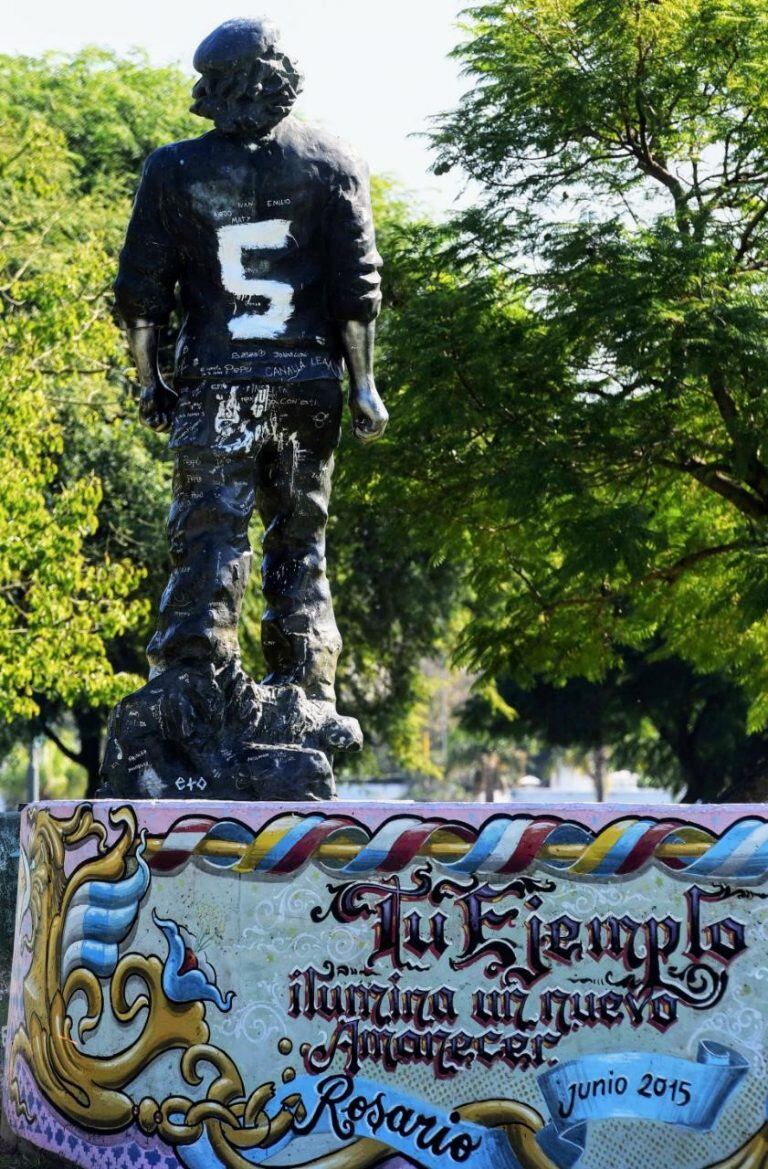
264	226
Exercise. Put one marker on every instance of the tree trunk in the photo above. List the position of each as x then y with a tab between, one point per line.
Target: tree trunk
750	785
599	760
487	776
696	786
90	728
683	735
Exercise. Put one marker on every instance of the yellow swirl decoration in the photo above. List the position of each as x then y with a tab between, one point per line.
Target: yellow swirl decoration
90	1091
752	1155
521	1124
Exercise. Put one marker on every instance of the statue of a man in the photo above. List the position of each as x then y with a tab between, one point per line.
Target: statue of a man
264	224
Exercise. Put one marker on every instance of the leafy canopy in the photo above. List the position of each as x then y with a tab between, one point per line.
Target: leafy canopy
58	604
588	388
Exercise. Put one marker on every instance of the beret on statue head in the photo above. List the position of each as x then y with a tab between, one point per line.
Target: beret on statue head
247	84
236	44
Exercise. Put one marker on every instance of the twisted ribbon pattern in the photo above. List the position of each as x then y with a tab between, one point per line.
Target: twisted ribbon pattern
502	846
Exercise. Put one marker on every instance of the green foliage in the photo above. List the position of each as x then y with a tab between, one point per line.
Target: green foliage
575	370
112	111
583	415
58	604
684	730
76	131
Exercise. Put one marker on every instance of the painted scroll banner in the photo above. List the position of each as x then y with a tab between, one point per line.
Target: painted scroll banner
219	986
636	1085
345	1107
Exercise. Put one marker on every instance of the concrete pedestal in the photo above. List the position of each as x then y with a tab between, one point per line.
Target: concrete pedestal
213	986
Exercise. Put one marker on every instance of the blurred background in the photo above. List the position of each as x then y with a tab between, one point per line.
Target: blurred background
551	574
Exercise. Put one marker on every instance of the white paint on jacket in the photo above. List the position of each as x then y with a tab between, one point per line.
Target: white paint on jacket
234	239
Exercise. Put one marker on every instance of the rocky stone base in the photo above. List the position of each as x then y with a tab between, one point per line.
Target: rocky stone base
204	734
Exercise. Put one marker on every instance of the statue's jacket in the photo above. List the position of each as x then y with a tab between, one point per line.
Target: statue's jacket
271	244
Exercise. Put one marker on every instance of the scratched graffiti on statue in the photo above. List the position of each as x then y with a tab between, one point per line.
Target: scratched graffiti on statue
344	987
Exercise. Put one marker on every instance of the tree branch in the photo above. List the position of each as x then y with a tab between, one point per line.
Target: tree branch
75	756
670	574
745	243
713	478
757	474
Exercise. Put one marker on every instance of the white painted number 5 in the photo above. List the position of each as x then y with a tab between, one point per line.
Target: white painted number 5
270	234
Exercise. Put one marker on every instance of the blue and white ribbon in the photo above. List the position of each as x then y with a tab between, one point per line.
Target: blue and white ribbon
428	1136
100	917
636	1085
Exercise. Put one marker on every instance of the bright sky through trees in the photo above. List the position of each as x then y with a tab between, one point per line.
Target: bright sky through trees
374	72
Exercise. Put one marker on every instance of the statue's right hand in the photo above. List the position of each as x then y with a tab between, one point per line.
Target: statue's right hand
157	405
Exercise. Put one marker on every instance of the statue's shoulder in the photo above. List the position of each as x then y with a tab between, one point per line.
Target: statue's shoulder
168	158
318	146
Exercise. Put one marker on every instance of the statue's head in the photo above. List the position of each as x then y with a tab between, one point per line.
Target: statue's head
248	84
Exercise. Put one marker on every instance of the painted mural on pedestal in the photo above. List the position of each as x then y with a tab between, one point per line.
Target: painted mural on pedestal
226	986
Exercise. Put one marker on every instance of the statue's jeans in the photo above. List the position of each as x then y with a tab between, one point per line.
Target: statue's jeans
242	446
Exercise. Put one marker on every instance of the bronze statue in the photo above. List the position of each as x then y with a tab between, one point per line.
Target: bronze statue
264	225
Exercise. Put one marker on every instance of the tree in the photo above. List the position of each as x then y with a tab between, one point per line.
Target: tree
596	332
112	111
684	730
58	604
102	118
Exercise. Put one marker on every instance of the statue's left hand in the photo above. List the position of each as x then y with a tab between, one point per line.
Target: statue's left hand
369	414
157	405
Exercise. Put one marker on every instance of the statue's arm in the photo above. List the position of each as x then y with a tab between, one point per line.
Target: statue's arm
369	414
158	401
144	293
354	293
